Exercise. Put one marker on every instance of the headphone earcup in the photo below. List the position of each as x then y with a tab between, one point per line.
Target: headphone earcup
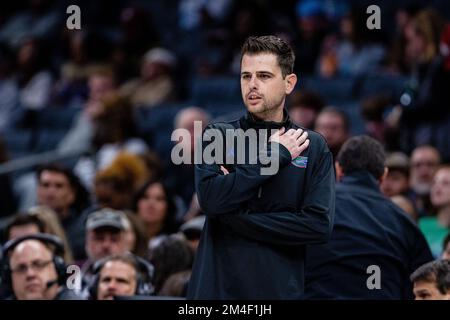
6	281
93	287
60	267
142	288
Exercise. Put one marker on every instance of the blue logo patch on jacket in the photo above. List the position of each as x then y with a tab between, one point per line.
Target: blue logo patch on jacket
300	162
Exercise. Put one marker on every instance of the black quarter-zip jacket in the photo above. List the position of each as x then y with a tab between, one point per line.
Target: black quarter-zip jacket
257	226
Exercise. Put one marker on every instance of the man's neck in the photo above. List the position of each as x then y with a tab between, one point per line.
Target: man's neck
270	115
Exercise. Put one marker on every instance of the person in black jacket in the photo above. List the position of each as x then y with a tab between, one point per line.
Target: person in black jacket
258	223
375	245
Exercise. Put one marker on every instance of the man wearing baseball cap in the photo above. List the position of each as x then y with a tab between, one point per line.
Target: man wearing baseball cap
105	236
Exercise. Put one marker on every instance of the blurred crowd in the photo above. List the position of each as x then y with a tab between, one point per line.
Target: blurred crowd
120	209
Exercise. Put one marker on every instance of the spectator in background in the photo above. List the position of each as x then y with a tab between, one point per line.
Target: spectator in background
432	281
180	178
60	190
115	185
397	179
368	230
355	52
114	132
155	85
22	225
52	225
122	275
105	236
101	81
87	51
154	204
435	228
38	220
34	79
304	107
170	256
106	233
446	248
397	60
334	125
425	161
35	270
422	113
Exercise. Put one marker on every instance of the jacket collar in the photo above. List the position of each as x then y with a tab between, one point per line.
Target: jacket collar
361	178
252	122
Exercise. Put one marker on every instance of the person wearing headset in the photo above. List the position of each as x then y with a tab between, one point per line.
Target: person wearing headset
33	268
123	275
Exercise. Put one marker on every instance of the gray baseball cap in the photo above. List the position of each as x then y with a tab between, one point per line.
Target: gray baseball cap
107	218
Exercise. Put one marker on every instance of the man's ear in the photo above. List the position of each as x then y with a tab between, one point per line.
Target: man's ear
339	171
384	175
290	81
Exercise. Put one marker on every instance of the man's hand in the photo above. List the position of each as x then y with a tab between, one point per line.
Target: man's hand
224	171
294	140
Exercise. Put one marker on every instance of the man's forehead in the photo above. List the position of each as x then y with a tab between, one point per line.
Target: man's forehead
443	173
425	153
29	250
116	267
54	175
259	61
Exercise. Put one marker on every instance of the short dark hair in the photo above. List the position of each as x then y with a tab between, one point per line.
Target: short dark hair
23	219
271	44
437	271
81	194
362	153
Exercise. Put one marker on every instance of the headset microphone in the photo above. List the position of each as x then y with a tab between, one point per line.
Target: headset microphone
50	284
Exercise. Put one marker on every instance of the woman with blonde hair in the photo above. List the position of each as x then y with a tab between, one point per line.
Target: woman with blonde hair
53	226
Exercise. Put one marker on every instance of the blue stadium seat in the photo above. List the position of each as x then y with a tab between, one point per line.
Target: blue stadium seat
333	90
204	91
48	140
56	118
353	111
18	142
389	85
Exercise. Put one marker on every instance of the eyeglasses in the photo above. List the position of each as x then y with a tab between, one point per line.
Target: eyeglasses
37	265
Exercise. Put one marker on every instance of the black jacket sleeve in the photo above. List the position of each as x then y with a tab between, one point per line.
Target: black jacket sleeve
219	194
312	224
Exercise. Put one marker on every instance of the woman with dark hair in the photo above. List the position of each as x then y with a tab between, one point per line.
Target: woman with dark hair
155	206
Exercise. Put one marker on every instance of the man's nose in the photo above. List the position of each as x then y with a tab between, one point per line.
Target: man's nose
253	82
31	273
106	245
112	286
